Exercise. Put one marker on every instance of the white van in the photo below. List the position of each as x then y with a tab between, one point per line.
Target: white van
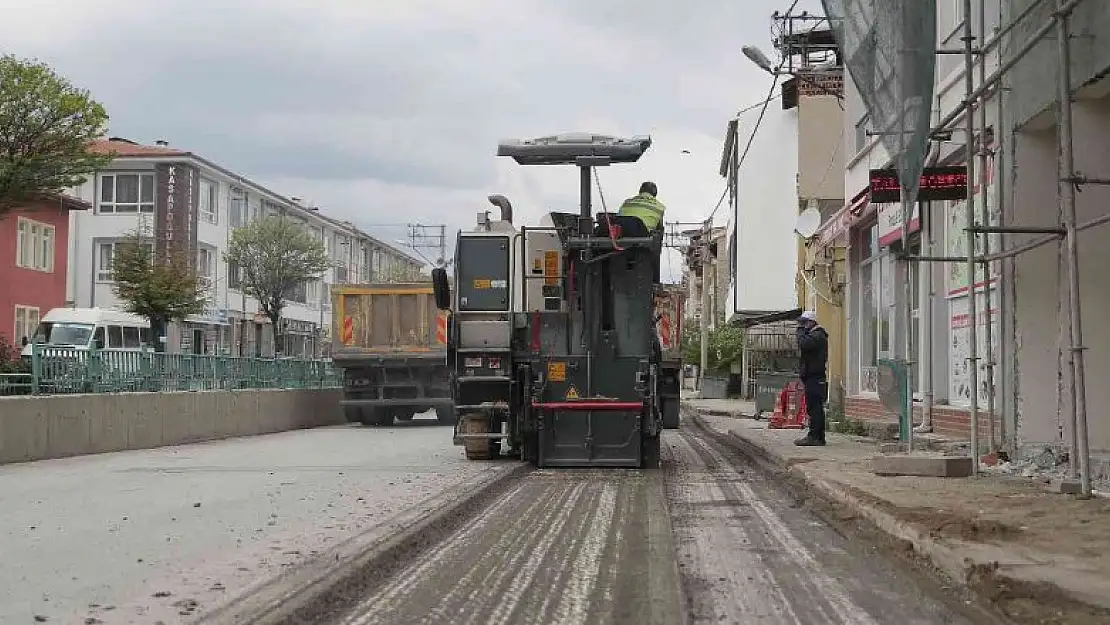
84	327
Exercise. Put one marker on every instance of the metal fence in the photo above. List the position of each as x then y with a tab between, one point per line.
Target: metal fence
61	370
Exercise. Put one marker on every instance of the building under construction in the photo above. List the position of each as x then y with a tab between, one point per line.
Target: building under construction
994	298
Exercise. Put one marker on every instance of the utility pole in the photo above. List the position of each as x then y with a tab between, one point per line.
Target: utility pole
704	261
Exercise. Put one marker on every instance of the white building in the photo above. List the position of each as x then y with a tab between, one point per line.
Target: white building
185	197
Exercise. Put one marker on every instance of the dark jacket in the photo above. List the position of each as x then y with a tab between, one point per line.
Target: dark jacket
814	347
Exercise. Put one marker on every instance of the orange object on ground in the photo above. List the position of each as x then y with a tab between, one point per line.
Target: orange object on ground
790	409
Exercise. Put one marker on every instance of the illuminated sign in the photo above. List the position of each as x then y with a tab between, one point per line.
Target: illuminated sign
937	184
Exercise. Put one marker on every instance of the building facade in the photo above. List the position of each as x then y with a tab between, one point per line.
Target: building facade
180	197
868	235
34	248
1022	353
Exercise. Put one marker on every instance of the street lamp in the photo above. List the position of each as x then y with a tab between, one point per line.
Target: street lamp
755	55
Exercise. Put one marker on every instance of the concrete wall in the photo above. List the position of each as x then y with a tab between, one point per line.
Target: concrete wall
1040	311
39	428
820	148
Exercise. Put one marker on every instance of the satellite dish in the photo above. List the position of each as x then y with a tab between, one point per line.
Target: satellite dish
808	222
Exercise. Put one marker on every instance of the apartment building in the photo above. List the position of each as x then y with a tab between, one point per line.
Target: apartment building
179	195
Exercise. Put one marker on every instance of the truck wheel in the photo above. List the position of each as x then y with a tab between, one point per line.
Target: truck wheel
445	415
352	414
649	453
376	417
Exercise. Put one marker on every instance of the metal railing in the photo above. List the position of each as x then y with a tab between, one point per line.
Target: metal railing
64	370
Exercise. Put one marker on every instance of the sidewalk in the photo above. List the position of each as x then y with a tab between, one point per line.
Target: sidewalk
720	407
1042	557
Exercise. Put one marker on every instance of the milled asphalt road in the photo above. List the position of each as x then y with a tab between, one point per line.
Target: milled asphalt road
599	547
160	535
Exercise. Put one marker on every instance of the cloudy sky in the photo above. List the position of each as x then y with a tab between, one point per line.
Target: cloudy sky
389	111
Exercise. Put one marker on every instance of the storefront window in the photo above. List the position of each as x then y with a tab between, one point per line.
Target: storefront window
876	308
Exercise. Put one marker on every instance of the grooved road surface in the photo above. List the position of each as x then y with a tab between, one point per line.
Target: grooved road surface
164	534
599	547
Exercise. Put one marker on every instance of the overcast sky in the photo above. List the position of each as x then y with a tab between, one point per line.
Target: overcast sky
389	111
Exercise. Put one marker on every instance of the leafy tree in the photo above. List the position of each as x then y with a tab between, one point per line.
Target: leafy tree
401	272
46	127
275	256
162	290
725	347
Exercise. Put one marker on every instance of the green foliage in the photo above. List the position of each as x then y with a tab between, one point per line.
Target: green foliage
46	127
691	343
726	344
10	361
275	255
160	289
401	272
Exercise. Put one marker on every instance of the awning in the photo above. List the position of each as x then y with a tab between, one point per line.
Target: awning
760	319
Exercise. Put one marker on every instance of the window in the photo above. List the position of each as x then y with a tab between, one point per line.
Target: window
234	279
115	337
132	338
34	248
104	255
863	126
876	307
269	209
126	193
206	261
916	377
237	211
26	321
298	293
208	204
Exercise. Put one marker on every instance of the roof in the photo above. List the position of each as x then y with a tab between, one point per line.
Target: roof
67	201
126	148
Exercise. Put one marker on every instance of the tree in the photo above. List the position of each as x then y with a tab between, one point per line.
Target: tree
162	290
275	256
47	126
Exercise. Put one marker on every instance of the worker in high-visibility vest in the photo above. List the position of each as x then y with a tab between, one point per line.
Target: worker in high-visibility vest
645	207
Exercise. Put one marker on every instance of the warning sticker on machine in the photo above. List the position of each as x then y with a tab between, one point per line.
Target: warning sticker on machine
499	284
482	284
557	371
572	393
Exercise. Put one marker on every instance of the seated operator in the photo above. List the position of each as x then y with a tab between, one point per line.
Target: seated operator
645	206
646	211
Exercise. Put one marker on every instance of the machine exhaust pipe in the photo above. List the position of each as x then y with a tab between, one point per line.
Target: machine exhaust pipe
502	202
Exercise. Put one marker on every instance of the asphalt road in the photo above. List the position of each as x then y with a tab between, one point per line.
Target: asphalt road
160	535
599	547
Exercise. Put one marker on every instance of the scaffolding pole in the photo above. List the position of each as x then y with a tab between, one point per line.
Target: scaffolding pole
1066	190
973	334
984	217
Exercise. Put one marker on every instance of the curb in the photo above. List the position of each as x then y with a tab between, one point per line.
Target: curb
951	557
334	576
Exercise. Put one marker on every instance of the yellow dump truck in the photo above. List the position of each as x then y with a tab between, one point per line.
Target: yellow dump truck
391	343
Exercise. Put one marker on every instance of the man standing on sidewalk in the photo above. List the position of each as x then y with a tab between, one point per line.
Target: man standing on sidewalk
813	343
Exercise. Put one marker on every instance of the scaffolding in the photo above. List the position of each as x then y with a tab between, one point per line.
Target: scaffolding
870	18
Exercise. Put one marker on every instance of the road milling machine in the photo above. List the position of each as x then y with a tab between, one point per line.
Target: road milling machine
552	343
